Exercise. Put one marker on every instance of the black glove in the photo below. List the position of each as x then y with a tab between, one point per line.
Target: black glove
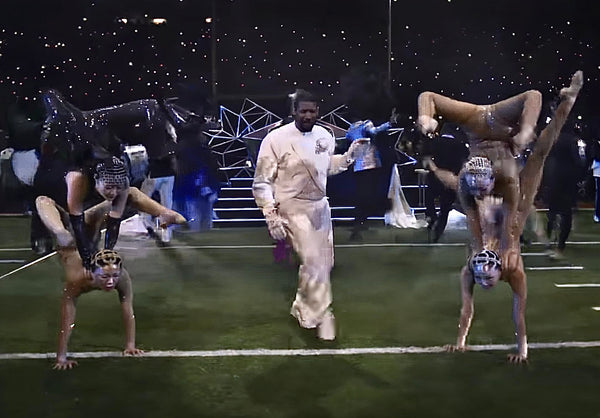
112	232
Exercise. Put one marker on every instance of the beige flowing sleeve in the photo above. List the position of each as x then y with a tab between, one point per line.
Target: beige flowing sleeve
338	163
264	176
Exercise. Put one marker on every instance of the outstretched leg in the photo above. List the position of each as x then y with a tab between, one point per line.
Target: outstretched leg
142	202
512	120
531	174
432	104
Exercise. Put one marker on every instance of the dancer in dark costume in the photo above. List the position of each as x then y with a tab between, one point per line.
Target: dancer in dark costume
89	141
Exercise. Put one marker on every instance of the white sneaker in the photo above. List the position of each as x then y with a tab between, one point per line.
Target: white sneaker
326	329
596	219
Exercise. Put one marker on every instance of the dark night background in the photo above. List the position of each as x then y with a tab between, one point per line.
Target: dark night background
263	49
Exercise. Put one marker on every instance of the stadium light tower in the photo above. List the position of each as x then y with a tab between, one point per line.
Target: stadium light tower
389	45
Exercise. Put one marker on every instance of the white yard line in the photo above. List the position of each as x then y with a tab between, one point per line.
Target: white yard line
244	247
265	352
28	265
576	285
555	268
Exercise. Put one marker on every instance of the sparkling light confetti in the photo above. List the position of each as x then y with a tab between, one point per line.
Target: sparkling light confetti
101	53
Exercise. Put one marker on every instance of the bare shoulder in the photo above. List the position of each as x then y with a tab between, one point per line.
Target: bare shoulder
124	286
76	285
76	279
125	277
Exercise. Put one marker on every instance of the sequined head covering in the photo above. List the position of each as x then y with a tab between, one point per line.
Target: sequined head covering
112	172
479	165
482	259
105	258
477	177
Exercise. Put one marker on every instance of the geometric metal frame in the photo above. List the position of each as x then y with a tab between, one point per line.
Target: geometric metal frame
230	142
238	138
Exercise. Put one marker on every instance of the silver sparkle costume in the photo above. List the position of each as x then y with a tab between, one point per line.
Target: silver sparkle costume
290	178
80	136
87	139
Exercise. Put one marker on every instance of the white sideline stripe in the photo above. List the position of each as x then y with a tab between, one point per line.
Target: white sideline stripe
576	285
555	268
238	247
28	265
533	254
11	261
264	352
41	258
457	244
14	249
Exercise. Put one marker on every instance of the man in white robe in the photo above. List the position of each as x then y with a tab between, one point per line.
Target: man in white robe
289	187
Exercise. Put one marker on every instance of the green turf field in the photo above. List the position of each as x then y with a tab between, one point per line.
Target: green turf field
220	290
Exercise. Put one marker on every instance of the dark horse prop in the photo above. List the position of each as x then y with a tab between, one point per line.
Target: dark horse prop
79	135
72	139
